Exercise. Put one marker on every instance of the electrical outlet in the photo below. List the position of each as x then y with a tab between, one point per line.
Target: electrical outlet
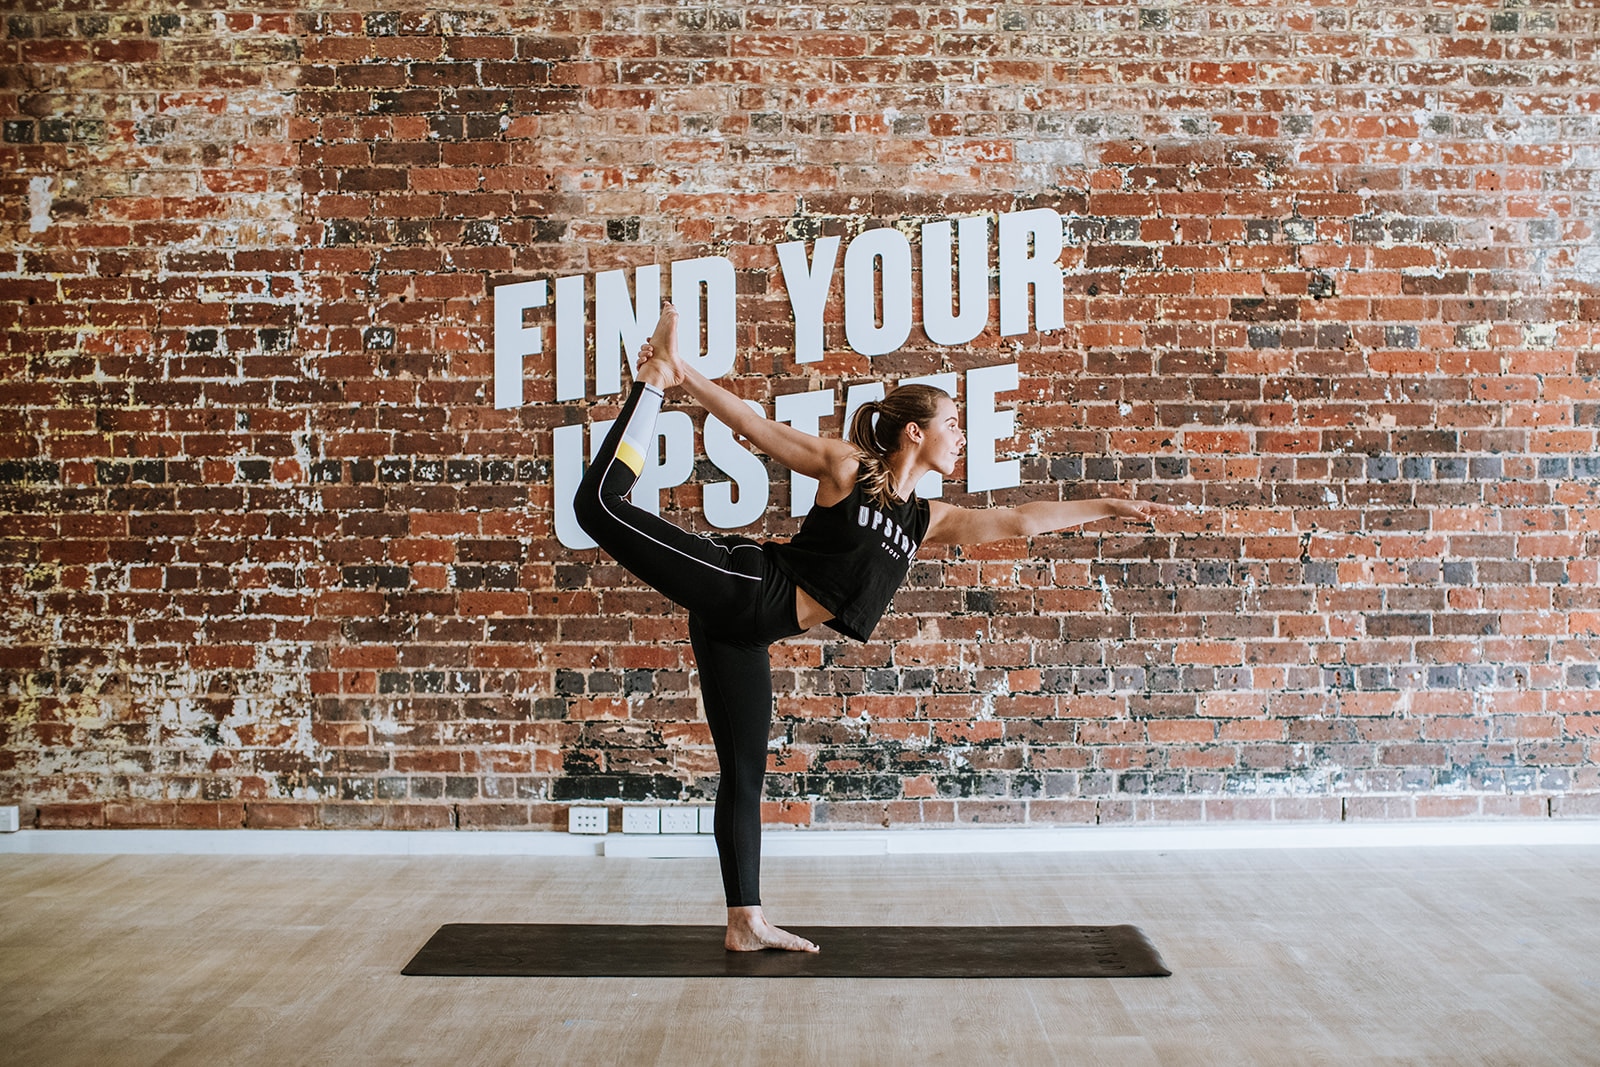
10	819
641	820
680	821
588	820
707	819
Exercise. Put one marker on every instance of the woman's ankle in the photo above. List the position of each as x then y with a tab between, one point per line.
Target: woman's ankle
656	376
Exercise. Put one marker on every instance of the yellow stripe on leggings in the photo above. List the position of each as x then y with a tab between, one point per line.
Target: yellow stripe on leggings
630	455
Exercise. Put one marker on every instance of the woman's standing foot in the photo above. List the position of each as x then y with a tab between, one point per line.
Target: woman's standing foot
749	931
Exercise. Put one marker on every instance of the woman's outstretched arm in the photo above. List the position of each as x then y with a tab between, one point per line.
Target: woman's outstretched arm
951	525
830	461
824	458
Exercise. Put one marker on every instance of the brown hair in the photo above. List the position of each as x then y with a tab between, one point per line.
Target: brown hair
876	429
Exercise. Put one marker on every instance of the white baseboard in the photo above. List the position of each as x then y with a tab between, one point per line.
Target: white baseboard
666	846
300	842
1188	837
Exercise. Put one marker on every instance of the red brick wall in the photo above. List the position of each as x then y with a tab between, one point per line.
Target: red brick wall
270	557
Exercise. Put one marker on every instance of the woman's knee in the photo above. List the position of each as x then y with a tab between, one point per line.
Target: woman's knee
588	507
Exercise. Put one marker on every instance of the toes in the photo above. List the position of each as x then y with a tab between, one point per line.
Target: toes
791	942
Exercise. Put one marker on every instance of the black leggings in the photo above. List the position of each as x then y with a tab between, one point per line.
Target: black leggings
738	603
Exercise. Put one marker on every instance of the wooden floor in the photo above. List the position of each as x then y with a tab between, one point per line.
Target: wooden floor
1384	956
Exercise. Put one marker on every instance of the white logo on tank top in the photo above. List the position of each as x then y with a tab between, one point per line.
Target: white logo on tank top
895	540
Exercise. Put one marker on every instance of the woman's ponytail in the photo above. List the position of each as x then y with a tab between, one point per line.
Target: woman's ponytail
874	476
876	429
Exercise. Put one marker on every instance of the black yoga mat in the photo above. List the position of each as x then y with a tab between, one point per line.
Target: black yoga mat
552	950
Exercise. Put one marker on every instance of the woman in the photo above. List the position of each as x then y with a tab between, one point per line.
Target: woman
842	568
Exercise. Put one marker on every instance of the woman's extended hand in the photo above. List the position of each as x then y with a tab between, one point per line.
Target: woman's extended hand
1137	510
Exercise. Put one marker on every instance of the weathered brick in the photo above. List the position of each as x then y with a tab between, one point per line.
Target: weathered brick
249	467
280	816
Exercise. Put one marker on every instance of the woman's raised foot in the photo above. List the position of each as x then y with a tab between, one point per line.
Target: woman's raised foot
664	339
658	359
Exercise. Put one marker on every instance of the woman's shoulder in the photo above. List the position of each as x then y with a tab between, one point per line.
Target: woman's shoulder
844	477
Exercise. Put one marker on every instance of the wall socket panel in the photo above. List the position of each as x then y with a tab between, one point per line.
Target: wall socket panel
10	819
588	820
641	820
678	819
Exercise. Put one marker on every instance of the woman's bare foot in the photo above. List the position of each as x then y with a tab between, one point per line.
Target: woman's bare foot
749	931
658	357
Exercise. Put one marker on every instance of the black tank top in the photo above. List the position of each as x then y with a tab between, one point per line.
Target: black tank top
853	555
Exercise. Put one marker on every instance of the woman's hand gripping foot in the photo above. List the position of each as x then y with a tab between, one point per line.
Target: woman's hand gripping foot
749	931
659	364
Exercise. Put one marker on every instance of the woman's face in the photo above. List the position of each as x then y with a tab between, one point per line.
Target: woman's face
942	439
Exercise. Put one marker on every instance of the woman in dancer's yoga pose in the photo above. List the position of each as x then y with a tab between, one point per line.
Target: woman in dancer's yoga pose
842	568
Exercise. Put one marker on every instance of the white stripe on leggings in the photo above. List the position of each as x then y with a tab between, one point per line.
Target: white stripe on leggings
674	548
